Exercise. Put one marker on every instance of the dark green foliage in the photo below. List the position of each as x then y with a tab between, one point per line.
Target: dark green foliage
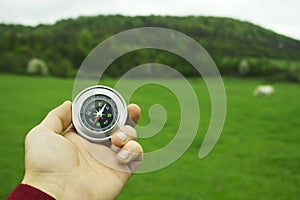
62	68
66	43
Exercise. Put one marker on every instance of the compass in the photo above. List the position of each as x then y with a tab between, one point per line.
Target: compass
97	112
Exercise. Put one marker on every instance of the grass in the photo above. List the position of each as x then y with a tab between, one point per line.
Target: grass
257	156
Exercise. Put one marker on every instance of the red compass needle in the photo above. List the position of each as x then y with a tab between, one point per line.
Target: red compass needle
96	119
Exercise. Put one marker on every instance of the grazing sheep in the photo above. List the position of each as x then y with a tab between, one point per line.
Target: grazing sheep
264	90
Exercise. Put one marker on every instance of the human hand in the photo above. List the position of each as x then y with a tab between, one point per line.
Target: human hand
62	166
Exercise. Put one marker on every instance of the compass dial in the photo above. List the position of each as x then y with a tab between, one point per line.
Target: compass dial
99	113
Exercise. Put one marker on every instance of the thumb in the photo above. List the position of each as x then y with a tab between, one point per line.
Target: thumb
59	118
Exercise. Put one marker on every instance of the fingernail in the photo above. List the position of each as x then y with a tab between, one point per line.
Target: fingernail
122	136
123	154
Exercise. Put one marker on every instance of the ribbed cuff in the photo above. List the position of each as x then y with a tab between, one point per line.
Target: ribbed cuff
27	192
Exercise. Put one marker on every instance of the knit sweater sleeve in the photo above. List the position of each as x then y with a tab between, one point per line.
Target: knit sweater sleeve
27	192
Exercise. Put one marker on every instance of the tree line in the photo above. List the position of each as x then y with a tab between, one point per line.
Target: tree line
239	48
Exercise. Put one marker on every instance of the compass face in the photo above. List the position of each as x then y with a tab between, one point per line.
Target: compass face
99	113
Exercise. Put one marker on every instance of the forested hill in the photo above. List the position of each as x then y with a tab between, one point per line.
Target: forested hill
64	44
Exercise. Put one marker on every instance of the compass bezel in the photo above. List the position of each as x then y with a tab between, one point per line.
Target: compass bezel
98	136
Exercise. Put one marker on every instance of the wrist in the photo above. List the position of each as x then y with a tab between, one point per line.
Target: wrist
46	183
60	185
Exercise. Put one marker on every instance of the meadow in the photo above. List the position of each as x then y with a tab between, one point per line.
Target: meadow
256	157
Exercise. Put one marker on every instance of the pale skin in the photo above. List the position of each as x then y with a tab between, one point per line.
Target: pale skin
57	162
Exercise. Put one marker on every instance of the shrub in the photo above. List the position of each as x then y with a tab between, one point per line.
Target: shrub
243	68
37	66
227	65
13	63
62	68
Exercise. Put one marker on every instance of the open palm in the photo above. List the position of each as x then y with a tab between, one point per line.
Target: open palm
68	167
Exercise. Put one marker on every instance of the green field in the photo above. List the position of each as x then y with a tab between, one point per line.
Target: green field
257	156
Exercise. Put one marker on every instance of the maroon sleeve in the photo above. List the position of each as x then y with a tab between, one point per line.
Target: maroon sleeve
27	192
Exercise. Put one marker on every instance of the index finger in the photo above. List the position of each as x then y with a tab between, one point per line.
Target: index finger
134	113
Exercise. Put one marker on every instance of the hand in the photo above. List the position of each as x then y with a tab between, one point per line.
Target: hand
61	165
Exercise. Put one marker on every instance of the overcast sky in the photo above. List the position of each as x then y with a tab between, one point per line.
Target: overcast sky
282	16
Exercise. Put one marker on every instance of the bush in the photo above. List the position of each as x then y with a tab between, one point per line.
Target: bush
243	68
62	68
227	65
37	66
293	75
13	63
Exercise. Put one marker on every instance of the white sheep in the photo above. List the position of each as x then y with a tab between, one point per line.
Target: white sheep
264	90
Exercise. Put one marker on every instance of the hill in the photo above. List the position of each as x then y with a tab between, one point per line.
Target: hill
65	44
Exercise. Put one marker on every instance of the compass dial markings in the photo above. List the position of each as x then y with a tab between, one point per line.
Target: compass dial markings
99	113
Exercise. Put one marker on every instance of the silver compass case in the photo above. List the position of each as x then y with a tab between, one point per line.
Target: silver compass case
98	112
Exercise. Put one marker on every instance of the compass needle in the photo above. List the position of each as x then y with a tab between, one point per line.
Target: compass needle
95	120
102	108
